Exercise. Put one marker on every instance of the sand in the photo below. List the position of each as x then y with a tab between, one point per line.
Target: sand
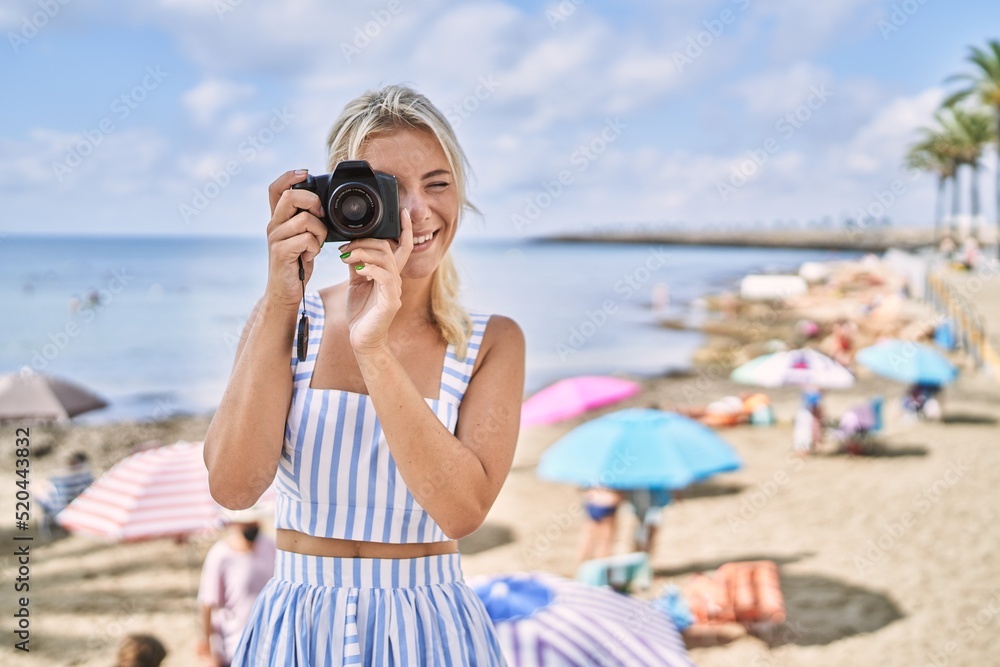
861	587
884	560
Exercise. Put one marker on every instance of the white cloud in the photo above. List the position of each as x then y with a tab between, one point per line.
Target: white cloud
557	86
883	141
772	93
212	96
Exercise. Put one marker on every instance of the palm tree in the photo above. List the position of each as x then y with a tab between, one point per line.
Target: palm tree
930	154
984	84
944	147
976	130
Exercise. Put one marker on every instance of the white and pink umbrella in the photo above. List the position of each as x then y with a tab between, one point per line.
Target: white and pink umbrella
794	367
161	492
574	396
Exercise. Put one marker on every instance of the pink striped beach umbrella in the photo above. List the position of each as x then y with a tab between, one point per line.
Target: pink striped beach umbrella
161	492
543	620
574	396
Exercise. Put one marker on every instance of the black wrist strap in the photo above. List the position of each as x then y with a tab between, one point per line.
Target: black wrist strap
302	344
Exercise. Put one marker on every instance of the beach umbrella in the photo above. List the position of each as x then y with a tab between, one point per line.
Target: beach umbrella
26	394
909	362
161	492
543	620
574	396
638	448
794	367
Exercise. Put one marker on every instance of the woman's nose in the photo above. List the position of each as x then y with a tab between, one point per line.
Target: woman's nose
417	207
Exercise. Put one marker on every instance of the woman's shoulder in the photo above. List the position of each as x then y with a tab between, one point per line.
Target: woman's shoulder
493	327
329	298
502	337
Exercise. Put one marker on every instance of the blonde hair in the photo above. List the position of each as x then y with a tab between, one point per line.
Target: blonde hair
384	111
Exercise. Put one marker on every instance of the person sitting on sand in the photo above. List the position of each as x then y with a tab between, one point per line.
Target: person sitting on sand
729	410
140	651
601	505
839	345
62	488
921	402
970	254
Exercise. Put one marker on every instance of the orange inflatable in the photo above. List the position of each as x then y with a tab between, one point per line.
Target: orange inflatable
767	587
708	600
748	592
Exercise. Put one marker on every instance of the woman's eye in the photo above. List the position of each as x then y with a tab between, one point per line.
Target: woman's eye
439	185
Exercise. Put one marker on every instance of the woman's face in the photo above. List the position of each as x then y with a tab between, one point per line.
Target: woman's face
426	187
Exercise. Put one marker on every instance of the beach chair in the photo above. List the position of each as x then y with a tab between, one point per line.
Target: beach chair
620	572
859	427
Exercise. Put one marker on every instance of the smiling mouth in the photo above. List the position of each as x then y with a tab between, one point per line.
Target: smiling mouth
420	241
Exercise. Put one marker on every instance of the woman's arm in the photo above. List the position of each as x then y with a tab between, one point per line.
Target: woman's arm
244	440
456	478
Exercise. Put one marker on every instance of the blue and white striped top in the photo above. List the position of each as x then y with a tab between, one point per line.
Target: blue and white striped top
336	476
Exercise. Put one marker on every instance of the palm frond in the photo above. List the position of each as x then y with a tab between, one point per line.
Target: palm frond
958	96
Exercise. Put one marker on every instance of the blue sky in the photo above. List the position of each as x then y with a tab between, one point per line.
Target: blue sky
117	117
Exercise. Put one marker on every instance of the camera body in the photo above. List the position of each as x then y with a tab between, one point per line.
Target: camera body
358	202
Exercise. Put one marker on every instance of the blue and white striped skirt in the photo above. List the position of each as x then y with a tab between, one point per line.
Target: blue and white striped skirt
325	612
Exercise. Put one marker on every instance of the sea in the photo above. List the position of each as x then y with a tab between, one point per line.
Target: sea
151	323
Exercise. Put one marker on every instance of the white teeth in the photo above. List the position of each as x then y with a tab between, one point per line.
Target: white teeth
423	239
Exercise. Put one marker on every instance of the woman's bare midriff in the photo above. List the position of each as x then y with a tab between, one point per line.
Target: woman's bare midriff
300	543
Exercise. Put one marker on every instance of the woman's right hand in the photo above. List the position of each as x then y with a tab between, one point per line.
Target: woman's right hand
295	230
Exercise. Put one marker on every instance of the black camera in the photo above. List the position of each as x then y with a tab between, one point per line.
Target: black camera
359	202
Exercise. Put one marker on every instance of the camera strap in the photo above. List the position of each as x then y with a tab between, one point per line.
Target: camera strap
302	344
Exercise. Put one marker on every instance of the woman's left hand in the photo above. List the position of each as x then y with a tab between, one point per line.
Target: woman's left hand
374	291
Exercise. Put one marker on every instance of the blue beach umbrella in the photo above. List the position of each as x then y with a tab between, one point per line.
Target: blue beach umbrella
637	449
543	620
909	362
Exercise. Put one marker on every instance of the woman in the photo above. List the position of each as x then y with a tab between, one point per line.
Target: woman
392	439
601	505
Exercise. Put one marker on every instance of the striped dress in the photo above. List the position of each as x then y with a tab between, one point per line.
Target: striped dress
336	478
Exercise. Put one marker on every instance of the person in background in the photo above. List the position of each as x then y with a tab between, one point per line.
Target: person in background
601	505
62	488
661	298
235	571
921	402
140	651
648	506
969	258
947	246
807	429
839	345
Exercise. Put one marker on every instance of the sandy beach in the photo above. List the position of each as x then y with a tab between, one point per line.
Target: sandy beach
886	559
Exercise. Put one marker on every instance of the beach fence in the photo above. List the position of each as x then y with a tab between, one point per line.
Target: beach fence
969	328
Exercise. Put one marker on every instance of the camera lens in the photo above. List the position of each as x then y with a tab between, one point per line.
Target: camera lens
355	209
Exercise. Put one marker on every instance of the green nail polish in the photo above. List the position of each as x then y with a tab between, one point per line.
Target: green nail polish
345	255
359	267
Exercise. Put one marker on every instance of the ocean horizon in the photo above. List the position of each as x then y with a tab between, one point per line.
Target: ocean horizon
151	323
